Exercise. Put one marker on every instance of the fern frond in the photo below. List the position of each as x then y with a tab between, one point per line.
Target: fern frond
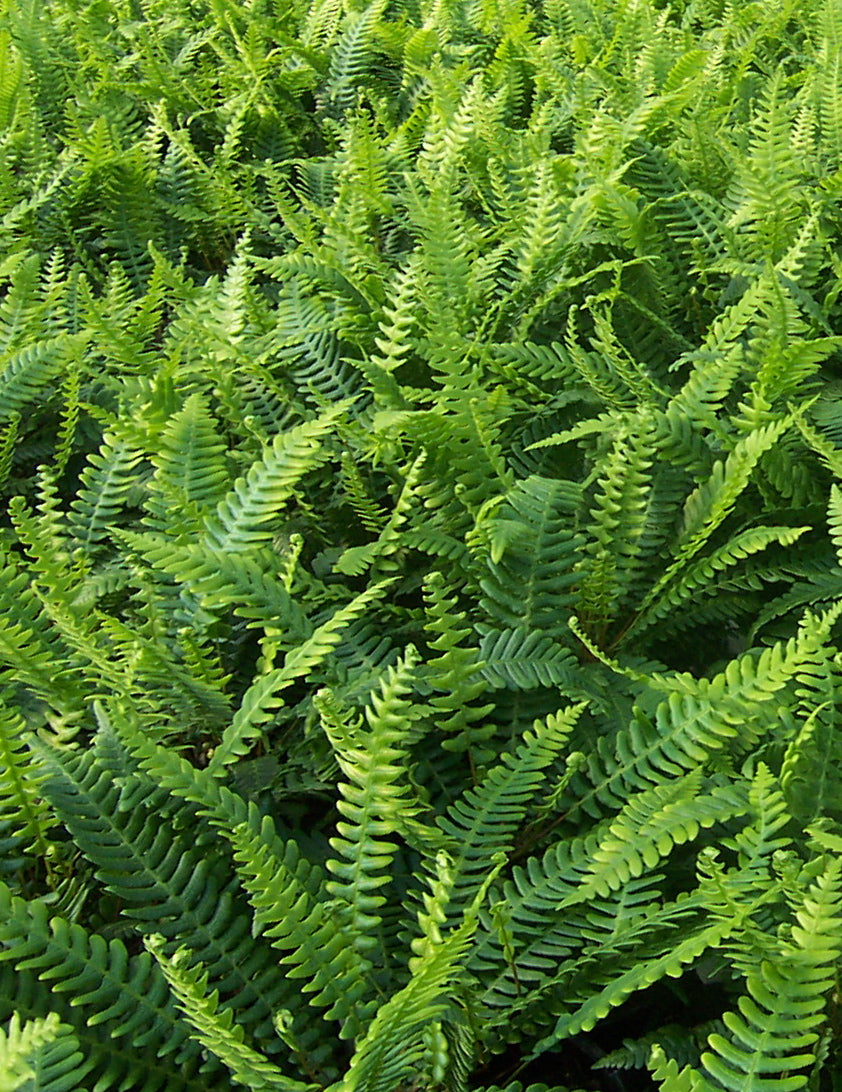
216	1030
189	462
139	1037
351	56
454	675
21	803
303	925
518	659
772	1038
697	719
27	374
42	1053
241	517
617	524
810	773
648	826
249	585
374	803
356	559
105	485
767	190
394	1044
712	501
483	821
671	964
531	565
262	698
165	878
697	577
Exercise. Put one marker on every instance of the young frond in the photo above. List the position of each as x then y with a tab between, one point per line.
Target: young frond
215	1029
303	924
374	804
41	1053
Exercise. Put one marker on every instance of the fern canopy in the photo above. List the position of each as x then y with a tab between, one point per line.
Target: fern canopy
421	548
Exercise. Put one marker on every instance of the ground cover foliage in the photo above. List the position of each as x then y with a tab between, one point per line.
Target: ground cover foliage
422	554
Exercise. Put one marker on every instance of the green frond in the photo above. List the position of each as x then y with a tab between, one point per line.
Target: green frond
42	1053
532	556
241	518
455	675
306	337
826	83
772	1039
518	659
758	841
32	650
810	769
767	189
834	518
224	808
21	802
303	925
516	1086
164	875
672	964
617	525
698	718
484	820
395	1042
394	340
698	576
8	442
374	804
190	468
216	1030
680	1044
366	508
27	374
819	589
356	559
122	1012
465	466
104	488
666	1070
249	585
648	827
351	56
695	407
713	500
262	699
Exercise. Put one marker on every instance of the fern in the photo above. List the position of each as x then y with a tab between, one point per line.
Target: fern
262	699
771	1037
42	1052
164	882
214	1030
121	994
482	822
21	804
421	570
302	925
240	518
373	804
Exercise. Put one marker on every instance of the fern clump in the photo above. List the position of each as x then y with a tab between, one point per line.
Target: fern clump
421	561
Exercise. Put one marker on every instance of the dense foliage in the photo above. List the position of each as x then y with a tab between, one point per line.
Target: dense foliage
421	451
